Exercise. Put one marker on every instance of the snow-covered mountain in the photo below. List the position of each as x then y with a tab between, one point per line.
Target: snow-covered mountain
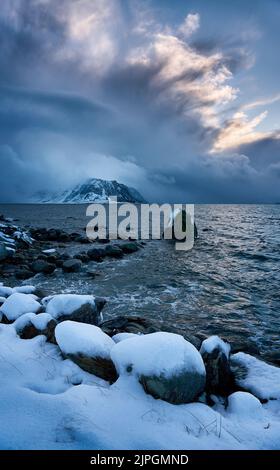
92	190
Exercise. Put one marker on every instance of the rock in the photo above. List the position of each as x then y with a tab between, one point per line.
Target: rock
6	291
41	266
219	378
167	366
92	273
135	324
88	347
113	251
23	274
79	308
273	357
30	325
96	254
72	265
83	257
128	248
4	253
256	376
244	405
18	304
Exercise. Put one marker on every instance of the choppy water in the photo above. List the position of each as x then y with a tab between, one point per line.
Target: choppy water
228	284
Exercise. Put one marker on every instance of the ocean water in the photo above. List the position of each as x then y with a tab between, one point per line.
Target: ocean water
228	284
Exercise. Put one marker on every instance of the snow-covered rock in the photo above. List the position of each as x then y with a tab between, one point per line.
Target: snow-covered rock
50	403
244	405
219	378
5	291
168	366
123	336
256	376
81	308
30	325
25	289
88	347
215	342
18	304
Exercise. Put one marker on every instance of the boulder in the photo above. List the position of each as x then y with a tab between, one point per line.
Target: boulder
18	304
83	257
141	325
4	253
41	266
166	365
219	377
79	308
113	251
24	273
88	347
128	248
30	325
72	265
96	254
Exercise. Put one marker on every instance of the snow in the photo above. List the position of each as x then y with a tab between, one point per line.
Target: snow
18	304
5	291
21	235
89	340
65	304
244	405
263	380
123	336
157	354
212	343
24	289
50	403
40	321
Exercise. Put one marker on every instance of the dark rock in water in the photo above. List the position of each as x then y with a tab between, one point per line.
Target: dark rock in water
72	265
24	273
186	225
273	357
96	254
92	273
113	251
103	240
128	248
83	257
41	266
135	324
219	377
99	366
4	253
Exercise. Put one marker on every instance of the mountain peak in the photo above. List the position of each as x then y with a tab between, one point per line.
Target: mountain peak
94	190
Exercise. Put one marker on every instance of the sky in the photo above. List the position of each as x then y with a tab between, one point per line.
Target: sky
177	98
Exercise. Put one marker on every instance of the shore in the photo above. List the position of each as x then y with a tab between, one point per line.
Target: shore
79	378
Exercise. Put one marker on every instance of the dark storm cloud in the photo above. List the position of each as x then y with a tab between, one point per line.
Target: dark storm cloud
88	88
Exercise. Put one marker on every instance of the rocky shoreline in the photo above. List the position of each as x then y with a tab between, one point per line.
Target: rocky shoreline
32	314
25	253
157	360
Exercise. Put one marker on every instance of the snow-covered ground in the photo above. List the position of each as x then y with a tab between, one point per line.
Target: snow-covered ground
48	402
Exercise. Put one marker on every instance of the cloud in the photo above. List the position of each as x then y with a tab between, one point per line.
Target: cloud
111	88
239	131
190	25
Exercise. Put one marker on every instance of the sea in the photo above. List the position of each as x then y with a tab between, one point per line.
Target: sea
228	284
